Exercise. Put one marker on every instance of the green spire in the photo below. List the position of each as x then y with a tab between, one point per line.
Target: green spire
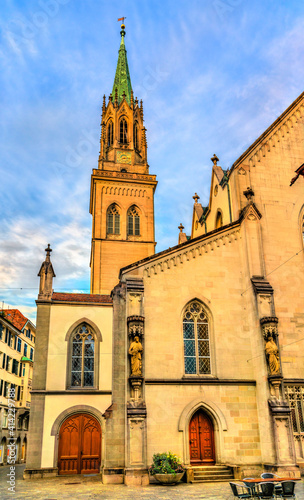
122	81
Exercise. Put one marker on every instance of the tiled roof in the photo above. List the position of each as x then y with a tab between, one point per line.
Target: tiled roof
81	297
15	317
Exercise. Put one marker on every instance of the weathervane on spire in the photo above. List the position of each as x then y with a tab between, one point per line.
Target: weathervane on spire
123	33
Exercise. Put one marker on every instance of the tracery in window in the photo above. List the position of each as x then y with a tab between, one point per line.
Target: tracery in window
110	133
123	131
295	396
83	357
113	220
196	340
133	221
135	135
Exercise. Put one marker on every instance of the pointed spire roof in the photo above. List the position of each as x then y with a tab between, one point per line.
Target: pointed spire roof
122	81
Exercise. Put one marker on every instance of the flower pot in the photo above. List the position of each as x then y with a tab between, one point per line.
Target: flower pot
169	478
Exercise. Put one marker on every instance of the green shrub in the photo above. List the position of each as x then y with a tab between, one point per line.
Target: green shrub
166	463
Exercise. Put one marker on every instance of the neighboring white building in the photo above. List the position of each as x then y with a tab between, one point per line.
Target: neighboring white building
17	346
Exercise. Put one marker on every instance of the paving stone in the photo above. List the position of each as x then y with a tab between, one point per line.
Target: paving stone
91	488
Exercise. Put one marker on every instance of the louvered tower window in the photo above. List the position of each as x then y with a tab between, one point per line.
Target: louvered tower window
110	133
135	136
123	136
113	220
196	340
219	219
133	221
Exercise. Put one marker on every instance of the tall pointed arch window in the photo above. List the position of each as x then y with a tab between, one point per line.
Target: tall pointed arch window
113	220
135	134
133	221
196	340
110	133
83	357
123	131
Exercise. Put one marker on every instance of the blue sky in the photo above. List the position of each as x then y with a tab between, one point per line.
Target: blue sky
213	75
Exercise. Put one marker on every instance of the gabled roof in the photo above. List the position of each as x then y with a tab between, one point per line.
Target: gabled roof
81	297
250	207
122	81
15	317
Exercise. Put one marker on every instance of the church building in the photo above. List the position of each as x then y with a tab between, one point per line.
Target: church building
196	349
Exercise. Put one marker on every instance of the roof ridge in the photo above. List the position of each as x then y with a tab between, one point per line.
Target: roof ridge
267	131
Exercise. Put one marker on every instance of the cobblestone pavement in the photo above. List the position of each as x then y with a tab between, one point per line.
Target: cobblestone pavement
89	488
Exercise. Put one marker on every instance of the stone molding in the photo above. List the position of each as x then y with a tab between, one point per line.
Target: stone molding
123	191
74	410
206	405
196	250
79	322
124	175
269	326
140	319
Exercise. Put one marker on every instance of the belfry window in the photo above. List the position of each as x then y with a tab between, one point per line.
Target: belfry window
83	357
113	220
135	133
133	221
123	136
110	133
196	340
219	219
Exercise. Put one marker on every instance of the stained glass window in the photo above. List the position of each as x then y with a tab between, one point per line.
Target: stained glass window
83	357
133	221
196	340
113	220
295	396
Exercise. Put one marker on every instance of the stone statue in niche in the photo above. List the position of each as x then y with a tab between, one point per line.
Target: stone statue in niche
272	355
135	351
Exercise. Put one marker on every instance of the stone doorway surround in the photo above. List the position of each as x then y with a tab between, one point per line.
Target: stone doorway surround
217	418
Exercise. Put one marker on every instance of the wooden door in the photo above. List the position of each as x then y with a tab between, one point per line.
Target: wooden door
79	445
201	440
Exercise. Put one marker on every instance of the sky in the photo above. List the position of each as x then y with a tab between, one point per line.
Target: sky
213	75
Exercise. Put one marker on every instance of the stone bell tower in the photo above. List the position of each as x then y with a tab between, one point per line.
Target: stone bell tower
122	190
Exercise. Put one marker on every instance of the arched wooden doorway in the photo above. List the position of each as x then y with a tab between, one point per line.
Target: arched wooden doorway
201	439
79	449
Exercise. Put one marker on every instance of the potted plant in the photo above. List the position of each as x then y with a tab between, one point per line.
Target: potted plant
167	468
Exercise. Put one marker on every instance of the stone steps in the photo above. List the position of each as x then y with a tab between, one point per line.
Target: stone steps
215	473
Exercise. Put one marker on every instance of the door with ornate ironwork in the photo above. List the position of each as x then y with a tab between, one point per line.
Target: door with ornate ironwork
201	439
79	445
